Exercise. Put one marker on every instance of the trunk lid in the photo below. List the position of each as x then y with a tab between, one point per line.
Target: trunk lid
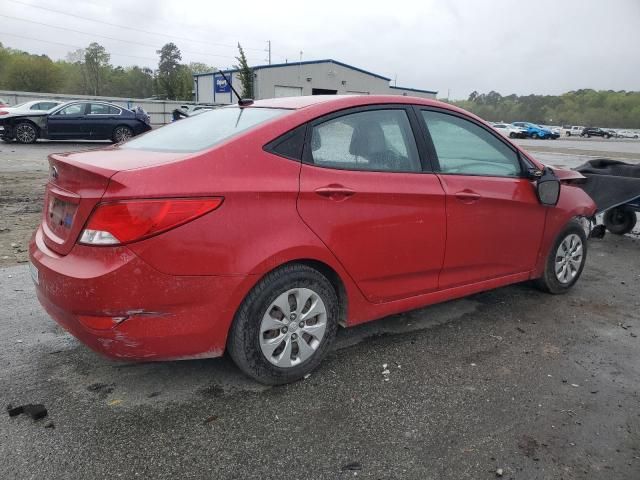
77	182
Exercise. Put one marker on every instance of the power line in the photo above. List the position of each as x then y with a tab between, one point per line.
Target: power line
124	26
74	46
110	38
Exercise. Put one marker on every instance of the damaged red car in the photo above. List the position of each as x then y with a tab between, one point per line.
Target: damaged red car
260	228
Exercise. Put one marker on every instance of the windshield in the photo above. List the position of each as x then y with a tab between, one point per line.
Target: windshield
204	130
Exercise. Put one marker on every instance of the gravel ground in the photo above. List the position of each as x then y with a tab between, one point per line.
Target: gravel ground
539	386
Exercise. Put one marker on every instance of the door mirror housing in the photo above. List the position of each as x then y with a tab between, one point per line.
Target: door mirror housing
548	188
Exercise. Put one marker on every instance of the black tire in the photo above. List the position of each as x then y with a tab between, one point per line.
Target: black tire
121	133
588	136
512	135
26	132
534	136
620	220
607	136
243	343
568	134
549	281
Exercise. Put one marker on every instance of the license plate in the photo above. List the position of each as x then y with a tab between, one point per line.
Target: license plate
35	275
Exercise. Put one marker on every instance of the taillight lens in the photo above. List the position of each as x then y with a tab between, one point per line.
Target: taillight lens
132	220
4	112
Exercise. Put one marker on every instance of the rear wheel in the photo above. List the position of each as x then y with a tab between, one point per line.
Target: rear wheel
26	132
620	220
565	261
285	326
121	133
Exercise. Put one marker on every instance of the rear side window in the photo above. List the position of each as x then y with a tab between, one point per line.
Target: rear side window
378	140
203	131
102	109
290	144
464	148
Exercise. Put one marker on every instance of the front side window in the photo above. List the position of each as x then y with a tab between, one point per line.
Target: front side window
203	131
465	148
75	109
379	140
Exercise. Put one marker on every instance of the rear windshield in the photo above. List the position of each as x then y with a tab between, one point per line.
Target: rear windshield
204	130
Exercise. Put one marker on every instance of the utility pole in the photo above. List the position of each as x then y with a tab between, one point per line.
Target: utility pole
269	50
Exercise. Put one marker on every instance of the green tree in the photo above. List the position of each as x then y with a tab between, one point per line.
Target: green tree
169	71
96	62
198	67
32	73
245	74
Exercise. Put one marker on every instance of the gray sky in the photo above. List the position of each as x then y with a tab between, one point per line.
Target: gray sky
511	46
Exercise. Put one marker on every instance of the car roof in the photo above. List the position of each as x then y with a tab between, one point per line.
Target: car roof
296	103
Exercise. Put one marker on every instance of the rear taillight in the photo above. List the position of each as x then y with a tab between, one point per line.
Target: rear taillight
127	221
4	112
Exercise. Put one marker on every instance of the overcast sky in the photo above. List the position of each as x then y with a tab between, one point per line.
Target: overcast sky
511	46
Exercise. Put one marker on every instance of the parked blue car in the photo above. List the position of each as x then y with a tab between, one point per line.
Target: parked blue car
536	131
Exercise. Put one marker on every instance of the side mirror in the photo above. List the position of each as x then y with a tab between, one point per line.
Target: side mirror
548	187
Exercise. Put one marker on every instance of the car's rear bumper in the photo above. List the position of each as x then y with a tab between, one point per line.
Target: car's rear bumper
118	305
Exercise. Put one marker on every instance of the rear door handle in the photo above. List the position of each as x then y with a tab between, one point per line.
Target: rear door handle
468	196
335	192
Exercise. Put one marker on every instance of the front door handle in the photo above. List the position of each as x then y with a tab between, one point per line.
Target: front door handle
468	196
335	192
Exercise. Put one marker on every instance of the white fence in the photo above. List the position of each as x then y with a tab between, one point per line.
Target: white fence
158	110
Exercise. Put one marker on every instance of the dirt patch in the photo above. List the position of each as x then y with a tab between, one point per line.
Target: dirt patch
21	201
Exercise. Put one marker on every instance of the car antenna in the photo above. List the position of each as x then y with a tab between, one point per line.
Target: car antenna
243	102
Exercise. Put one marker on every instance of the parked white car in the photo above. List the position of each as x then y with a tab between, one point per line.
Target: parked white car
573	131
626	134
35	105
510	131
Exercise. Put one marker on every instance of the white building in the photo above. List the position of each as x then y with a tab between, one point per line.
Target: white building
316	77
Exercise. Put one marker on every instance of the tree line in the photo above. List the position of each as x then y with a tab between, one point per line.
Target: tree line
598	108
88	71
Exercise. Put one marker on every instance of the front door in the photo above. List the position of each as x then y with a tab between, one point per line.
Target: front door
68	122
364	193
494	219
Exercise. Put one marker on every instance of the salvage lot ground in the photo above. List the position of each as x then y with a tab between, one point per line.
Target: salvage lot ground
540	386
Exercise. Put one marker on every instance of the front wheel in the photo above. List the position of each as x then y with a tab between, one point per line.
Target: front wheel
620	220
285	326
512	135
121	134
534	136
565	261
26	132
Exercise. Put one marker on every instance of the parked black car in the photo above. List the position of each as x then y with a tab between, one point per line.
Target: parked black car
595	132
77	120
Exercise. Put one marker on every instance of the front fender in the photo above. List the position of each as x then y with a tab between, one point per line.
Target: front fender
573	202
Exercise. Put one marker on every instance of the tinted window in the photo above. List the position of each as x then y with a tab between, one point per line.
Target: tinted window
290	144
468	149
371	140
75	109
48	105
204	130
102	109
37	106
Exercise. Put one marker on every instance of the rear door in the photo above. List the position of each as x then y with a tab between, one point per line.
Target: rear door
68	122
363	191
494	220
101	119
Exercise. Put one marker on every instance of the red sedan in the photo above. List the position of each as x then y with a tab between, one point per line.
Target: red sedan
258	229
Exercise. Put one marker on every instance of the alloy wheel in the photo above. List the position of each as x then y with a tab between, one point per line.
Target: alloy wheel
122	134
25	133
568	258
293	327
